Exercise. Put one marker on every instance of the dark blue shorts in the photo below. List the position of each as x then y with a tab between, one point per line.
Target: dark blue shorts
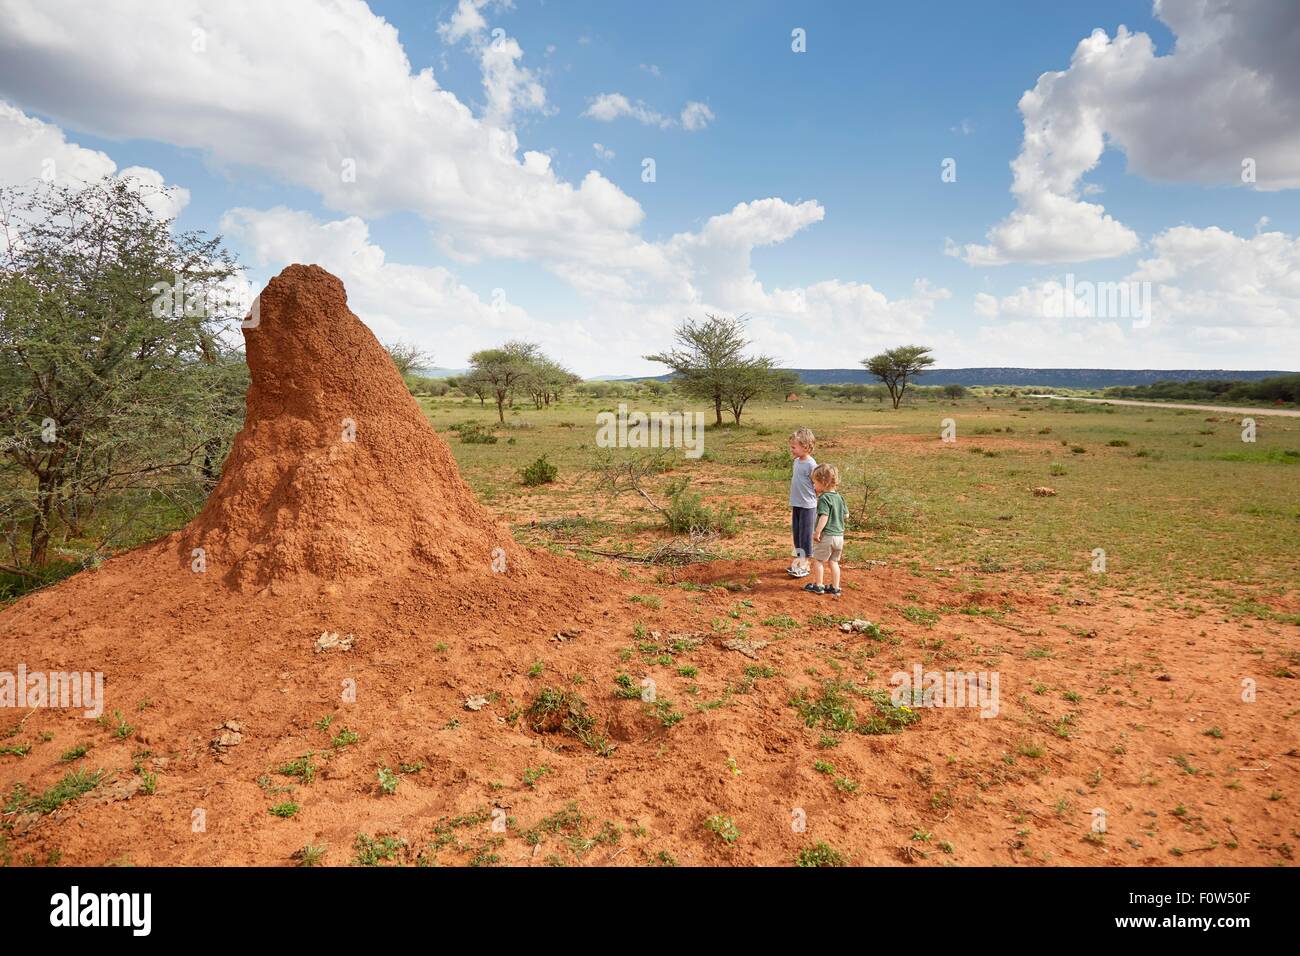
802	522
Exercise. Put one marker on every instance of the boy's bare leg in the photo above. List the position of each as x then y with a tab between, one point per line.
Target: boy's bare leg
835	574
818	569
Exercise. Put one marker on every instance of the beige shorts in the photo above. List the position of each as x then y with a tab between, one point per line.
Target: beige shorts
829	548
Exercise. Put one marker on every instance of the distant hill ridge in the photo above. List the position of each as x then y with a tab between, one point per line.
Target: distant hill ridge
1042	377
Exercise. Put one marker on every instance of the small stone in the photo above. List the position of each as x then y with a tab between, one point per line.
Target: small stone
331	640
477	702
747	646
25	821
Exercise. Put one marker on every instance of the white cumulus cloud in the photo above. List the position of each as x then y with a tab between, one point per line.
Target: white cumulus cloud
696	116
1225	98
423	304
1204	290
248	99
608	107
400	142
33	151
508	85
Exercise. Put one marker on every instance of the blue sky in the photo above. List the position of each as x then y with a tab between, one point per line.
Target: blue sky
806	192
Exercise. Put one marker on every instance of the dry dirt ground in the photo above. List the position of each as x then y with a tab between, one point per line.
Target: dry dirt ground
1158	736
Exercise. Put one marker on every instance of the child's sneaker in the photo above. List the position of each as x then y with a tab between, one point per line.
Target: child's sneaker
815	588
835	591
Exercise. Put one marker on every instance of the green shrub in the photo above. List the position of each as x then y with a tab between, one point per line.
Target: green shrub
724	827
875	503
73	785
473	433
554	710
1280	456
687	513
820	854
372	850
832	709
539	472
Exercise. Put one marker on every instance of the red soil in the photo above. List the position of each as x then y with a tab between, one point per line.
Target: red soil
382	540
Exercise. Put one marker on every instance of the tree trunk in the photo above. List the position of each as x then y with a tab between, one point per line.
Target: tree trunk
717	410
212	445
39	545
210	449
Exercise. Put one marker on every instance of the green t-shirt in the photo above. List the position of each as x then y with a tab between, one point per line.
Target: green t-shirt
832	503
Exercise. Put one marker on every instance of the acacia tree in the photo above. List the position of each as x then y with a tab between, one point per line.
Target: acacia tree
756	378
898	366
471	385
502	370
545	380
558	378
407	357
117	390
709	360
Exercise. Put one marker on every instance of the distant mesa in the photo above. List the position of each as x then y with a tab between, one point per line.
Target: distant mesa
1029	377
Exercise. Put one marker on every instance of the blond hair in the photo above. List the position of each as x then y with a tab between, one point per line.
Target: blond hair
828	476
804	438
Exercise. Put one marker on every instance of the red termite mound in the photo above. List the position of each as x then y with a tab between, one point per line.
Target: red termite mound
337	474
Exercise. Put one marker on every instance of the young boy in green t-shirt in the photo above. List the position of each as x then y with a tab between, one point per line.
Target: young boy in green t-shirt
828	535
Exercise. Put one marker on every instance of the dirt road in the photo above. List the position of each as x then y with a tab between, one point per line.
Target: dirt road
1289	412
